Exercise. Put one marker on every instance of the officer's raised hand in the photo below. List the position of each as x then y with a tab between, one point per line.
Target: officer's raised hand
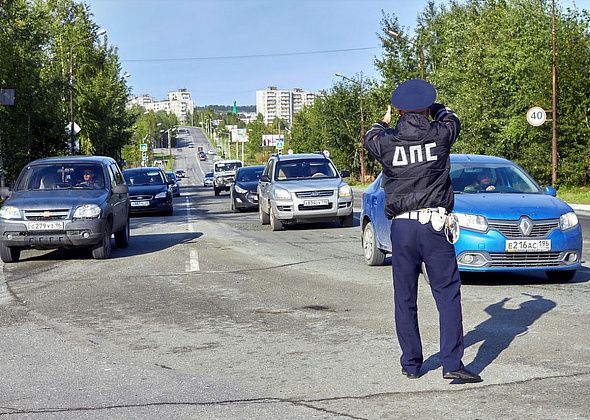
387	117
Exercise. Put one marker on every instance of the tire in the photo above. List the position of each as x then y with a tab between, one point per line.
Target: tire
264	217
216	191
234	209
122	236
561	276
169	212
275	223
373	255
102	250
9	254
347	221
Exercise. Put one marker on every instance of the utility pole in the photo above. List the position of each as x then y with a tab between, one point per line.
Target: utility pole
553	99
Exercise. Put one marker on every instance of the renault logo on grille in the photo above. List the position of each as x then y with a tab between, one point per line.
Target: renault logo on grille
525	225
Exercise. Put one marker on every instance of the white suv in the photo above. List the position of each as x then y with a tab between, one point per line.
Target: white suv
303	188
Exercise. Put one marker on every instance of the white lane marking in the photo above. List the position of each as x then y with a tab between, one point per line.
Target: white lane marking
193	263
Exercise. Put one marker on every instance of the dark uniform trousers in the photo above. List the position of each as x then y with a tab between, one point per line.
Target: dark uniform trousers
413	242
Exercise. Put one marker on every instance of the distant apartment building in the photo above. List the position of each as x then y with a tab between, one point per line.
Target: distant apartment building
284	104
178	103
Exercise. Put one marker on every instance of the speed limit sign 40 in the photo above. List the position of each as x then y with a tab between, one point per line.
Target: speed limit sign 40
536	116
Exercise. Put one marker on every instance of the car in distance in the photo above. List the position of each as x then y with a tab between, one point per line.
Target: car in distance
513	225
243	190
202	156
180	173
224	173
149	190
174	186
55	203
208	179
303	188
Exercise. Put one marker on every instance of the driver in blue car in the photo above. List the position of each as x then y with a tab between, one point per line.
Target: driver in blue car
418	196
483	183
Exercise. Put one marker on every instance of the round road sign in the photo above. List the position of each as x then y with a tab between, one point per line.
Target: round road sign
536	116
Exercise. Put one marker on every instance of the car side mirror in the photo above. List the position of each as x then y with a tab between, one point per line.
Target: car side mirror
345	173
5	192
264	178
121	189
549	190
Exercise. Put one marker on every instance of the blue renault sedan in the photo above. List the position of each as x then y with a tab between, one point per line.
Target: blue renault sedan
508	223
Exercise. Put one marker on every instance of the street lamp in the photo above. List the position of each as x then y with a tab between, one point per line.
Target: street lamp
553	99
362	150
419	47
98	33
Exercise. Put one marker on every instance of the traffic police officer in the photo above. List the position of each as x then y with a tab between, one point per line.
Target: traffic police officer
415	159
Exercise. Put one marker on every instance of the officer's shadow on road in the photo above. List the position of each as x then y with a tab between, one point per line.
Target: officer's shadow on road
147	244
498	331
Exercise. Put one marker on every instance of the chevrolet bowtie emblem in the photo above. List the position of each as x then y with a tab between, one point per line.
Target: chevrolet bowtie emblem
46	214
525	225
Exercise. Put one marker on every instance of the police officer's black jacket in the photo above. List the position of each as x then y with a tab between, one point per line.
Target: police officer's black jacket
415	159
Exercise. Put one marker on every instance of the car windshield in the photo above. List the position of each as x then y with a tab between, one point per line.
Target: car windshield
249	174
57	176
227	166
209	175
171	176
491	178
305	169
148	177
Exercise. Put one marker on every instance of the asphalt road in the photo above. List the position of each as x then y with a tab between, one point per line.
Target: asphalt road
209	315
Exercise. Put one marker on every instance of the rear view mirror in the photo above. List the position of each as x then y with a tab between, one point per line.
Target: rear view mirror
549	190
121	189
264	178
345	173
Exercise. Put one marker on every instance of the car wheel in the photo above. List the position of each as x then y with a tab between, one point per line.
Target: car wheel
373	255
9	254
234	209
122	236
561	276
169	211
264	218
216	191
347	221
275	223
102	250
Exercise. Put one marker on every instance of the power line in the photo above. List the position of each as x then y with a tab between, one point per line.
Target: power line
238	57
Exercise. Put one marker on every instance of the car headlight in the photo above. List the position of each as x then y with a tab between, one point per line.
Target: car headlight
9	212
472	221
345	191
87	211
161	194
568	221
281	194
240	189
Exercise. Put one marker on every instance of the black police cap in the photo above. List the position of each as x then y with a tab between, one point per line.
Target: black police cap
413	95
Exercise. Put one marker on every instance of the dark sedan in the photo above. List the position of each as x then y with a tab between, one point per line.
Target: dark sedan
243	189
149	190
